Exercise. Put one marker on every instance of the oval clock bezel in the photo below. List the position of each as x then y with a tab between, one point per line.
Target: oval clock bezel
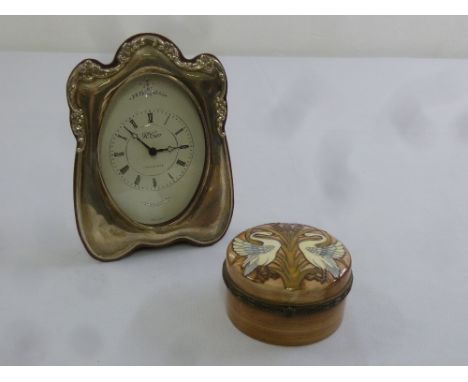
206	162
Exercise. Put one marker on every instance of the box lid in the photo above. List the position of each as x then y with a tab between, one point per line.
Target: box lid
288	264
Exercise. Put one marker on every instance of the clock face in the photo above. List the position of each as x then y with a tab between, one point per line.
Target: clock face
152	149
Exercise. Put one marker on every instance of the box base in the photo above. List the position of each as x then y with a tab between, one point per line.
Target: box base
274	328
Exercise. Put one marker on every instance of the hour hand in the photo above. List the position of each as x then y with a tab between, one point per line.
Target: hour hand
171	148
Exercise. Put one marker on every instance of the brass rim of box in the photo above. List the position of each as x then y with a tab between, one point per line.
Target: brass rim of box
284	309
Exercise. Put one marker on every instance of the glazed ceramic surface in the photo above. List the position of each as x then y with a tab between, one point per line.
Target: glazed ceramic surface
287	283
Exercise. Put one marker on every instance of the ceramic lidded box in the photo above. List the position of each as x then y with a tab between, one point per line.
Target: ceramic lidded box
287	283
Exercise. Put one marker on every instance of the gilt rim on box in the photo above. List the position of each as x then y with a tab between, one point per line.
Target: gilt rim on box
284	309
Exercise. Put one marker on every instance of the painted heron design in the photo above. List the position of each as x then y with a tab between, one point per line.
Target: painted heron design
322	257
255	254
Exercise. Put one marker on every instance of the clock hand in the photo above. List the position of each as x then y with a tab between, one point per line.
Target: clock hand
151	150
170	148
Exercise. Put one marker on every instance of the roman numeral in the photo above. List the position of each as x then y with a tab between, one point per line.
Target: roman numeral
133	123
167	119
150	117
124	169
121	136
121	154
137	180
179	131
155	184
180	162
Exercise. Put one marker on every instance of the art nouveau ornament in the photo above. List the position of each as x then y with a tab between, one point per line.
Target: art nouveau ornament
287	283
152	164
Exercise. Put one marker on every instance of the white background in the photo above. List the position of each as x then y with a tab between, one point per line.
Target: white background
373	150
411	36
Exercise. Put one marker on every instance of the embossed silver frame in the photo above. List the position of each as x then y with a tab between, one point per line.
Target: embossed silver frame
105	232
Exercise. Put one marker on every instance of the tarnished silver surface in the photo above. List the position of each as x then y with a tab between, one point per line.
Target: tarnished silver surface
106	233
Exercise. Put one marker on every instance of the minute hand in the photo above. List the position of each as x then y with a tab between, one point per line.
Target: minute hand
151	150
170	148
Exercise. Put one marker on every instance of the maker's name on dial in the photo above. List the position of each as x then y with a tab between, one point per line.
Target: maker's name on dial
159	203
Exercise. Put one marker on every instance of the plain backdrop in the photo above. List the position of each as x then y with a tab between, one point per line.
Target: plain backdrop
394	36
374	150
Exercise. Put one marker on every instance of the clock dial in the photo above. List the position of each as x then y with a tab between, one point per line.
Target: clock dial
152	149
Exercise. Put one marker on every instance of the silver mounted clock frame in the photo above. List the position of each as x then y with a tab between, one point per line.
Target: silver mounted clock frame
105	231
